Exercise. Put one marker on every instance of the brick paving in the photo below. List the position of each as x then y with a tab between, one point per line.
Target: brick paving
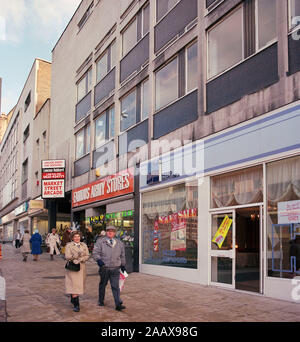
35	293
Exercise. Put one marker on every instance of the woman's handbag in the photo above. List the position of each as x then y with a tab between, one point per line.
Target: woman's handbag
72	267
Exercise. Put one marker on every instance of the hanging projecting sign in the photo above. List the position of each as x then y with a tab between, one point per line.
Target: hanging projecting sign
53	179
108	187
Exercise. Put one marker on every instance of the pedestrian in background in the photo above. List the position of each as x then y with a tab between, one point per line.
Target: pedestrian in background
36	242
75	282
18	238
66	238
109	253
54	242
25	248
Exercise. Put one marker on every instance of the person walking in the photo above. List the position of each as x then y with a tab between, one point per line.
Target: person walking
36	242
25	248
109	253
66	238
75	282
18	238
54	242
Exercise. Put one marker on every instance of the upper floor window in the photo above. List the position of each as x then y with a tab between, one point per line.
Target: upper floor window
82	142
26	133
86	15
245	31
106	62
27	101
135	106
136	30
163	7
294	10
177	78
105	127
84	85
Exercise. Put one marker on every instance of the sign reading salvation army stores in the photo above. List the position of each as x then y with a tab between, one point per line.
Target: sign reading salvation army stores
111	186
53	179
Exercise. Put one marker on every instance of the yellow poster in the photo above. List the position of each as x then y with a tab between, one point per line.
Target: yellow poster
221	234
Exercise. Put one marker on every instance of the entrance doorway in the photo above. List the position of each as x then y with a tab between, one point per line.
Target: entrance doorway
247	249
235	251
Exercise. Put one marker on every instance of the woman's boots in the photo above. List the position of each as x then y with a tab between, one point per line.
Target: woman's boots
75	302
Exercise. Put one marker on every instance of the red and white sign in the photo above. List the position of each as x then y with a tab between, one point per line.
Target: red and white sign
53	175
53	188
51	164
119	184
53	178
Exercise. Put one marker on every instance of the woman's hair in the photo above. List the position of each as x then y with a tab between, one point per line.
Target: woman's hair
75	233
26	231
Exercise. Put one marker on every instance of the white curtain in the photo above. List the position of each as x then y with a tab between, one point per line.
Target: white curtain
237	188
283	179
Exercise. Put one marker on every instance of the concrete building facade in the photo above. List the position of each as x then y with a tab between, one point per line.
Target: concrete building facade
180	105
20	198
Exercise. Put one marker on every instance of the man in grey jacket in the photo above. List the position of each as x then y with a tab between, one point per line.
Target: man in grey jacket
109	253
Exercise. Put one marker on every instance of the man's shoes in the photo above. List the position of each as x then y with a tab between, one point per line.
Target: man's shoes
100	303
120	307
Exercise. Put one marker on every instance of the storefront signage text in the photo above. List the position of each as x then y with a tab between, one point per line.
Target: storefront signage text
221	234
53	179
289	212
108	187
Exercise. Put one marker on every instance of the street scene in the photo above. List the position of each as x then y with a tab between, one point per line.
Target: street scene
149	161
36	293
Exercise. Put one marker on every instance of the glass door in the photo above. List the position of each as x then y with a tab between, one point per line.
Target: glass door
222	249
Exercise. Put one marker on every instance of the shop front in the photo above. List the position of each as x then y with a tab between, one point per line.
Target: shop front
234	222
108	201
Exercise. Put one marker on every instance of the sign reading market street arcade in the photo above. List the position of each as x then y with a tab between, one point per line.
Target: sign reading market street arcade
121	183
53	179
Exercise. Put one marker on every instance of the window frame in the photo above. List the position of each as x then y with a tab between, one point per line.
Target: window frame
195	42
88	75
135	19
134	90
257	50
143	117
165	14
85	140
110	64
158	70
291	28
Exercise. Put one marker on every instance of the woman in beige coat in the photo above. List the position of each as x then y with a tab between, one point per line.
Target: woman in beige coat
25	248
77	252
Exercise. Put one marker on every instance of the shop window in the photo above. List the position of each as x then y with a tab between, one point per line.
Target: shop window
106	63
237	188
176	78
82	142
283	218
84	85
169	226
163	7
244	32
294	13
104	127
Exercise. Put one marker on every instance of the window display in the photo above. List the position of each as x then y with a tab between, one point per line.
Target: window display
169	226
283	219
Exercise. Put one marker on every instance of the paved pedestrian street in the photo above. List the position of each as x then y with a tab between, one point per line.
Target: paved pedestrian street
35	293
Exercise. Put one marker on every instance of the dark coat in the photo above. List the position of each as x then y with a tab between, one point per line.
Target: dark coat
36	241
